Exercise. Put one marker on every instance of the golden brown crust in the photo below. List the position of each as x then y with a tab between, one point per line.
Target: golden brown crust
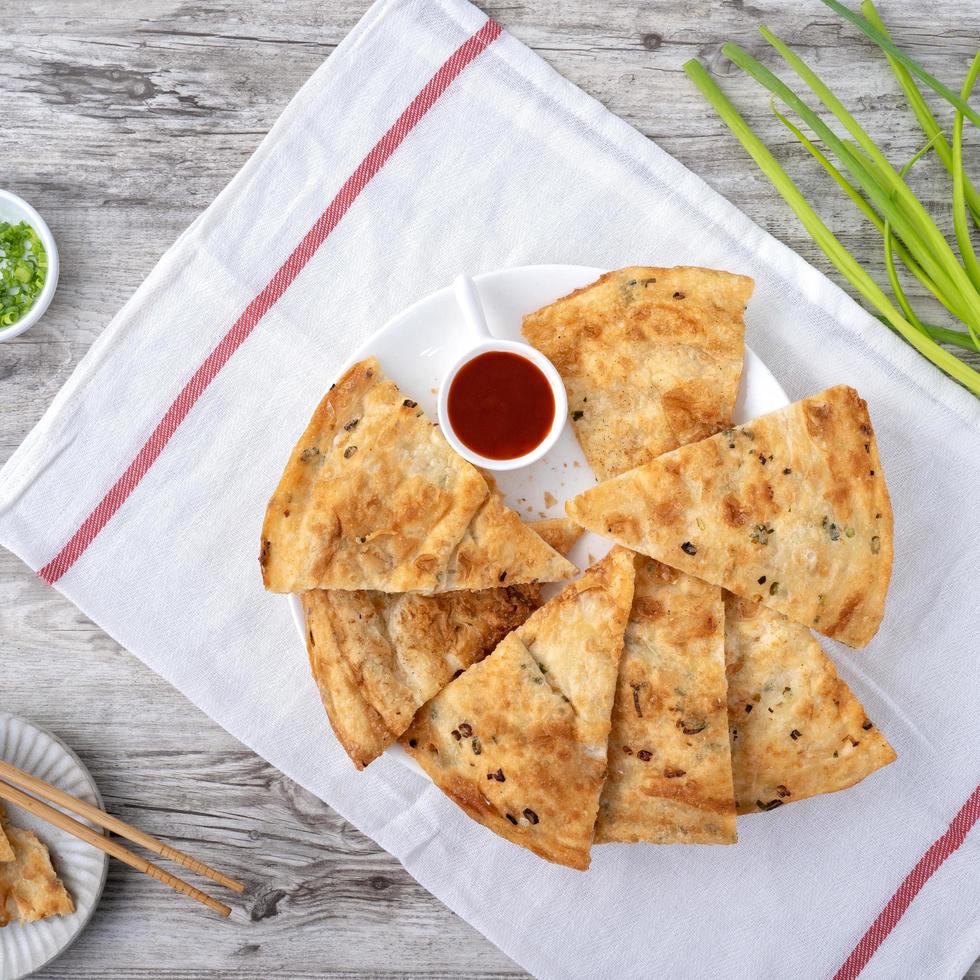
359	728
519	740
6	849
796	728
651	359
670	768
378	657
373	497
790	510
29	887
560	532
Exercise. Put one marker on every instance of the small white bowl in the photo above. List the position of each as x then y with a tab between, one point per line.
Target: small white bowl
14	209
482	343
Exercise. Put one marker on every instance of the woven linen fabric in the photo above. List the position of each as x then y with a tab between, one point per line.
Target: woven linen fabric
430	143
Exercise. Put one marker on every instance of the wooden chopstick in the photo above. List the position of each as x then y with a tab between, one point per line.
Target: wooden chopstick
58	819
51	793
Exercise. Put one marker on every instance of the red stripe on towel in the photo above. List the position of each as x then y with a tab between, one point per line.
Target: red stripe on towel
897	905
266	299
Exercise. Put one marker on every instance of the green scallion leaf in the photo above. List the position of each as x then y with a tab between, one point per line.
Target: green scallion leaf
896	284
960	225
859	202
845	263
883	184
923	114
885	43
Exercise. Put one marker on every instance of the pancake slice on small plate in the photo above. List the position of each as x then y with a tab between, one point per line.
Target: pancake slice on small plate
378	657
519	740
373	497
651	359
29	887
796	728
790	509
670	767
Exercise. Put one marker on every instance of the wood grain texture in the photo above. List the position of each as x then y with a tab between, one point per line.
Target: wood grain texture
121	123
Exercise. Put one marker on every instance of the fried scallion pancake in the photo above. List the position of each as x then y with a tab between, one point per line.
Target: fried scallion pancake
518	741
796	728
29	887
560	532
378	657
670	767
6	848
373	497
790	509
651	359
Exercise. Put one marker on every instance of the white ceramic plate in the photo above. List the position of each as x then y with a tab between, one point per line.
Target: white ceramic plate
26	948
418	346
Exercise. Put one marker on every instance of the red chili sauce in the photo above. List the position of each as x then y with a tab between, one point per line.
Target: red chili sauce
501	405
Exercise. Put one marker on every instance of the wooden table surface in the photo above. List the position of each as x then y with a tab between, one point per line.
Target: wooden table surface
121	122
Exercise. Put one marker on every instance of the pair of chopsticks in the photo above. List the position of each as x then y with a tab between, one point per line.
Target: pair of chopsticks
12	775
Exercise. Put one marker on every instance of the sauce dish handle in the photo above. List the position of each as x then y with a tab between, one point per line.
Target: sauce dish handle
469	302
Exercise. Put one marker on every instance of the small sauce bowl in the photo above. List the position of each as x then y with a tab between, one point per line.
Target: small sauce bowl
483	342
15	209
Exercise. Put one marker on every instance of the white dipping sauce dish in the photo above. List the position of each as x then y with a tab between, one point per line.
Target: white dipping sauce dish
483	342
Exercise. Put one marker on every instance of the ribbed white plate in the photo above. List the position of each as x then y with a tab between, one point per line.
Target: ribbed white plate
418	346
26	948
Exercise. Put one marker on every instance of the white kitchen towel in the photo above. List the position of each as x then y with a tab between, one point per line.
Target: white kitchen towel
427	144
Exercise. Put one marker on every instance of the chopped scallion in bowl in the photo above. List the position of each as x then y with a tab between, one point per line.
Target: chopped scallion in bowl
29	266
23	270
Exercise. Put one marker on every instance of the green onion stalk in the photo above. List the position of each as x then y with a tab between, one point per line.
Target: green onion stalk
879	191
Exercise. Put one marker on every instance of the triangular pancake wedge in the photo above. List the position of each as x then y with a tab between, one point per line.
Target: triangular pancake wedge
670	767
378	657
796	728
651	359
519	740
30	889
373	497
790	510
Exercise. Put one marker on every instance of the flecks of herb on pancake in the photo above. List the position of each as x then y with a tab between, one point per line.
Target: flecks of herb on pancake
831	528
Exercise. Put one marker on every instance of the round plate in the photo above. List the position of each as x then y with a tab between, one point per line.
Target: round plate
419	345
25	948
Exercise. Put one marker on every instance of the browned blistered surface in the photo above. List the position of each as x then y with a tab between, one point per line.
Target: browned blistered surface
790	509
796	728
670	769
519	740
373	497
651	359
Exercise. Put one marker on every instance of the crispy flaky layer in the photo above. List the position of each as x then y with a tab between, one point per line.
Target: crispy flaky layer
560	532
796	728
6	848
519	740
373	497
29	887
651	359
670	767
378	657
790	510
